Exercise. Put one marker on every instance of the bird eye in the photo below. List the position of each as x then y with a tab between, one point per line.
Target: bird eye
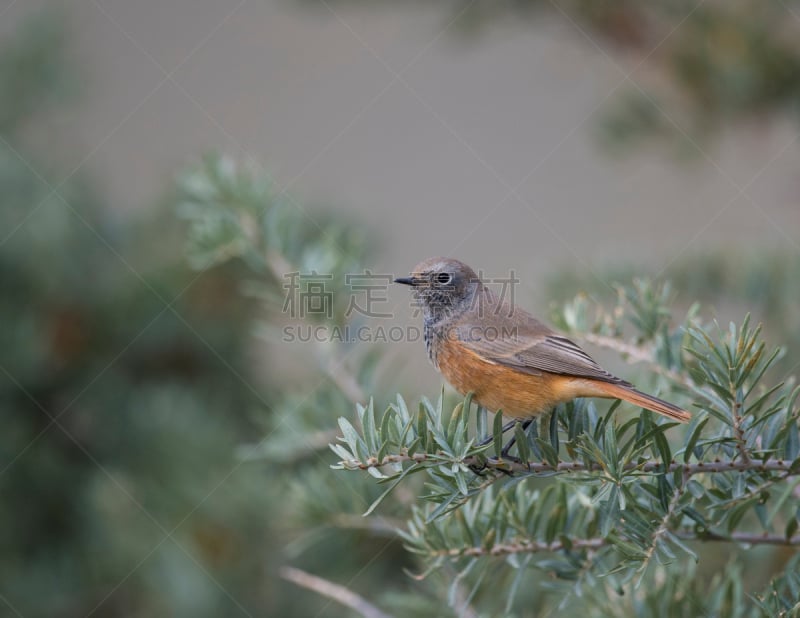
444	278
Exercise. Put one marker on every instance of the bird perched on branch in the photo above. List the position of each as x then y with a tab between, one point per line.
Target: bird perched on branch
508	359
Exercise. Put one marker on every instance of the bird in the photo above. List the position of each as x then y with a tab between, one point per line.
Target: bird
510	361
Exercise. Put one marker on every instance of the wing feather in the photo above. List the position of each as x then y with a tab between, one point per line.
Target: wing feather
528	346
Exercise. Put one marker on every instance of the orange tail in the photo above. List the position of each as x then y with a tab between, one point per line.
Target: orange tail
643	400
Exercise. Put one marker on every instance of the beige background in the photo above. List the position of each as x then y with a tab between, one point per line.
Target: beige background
481	148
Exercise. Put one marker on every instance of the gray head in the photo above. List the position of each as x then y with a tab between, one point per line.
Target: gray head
443	286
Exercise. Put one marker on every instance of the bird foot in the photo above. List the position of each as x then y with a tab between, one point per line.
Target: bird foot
503	464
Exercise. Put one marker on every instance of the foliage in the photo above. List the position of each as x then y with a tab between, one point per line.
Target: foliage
765	283
688	69
234	213
599	501
715	63
630	498
123	398
128	386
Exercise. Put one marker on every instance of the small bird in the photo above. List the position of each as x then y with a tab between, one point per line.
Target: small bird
508	359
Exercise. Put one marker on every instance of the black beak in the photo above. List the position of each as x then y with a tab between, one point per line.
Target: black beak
406	280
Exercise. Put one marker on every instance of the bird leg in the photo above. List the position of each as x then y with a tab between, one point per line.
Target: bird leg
478	469
504	452
488	439
513	440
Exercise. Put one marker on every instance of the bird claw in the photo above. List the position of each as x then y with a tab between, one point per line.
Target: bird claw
478	468
502	464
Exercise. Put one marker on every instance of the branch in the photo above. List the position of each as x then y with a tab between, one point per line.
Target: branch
527	546
379	526
338	593
774	480
286	453
738	434
539	467
462	605
504	549
663	527
750	538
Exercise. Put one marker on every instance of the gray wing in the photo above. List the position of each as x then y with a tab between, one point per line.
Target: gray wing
527	345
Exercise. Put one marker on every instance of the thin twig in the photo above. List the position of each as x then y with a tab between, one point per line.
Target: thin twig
773	480
461	606
541	467
338	593
738	433
528	546
750	538
286	453
663	527
523	547
379	526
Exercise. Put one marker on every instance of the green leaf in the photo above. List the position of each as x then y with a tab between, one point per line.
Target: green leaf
696	489
394	483
679	542
422	426
601	426
548	452
609	512
342	453
523	450
368	423
755	378
481	423
663	447
692	442
520	576
386	425
665	492
761	512
610	447
497	433
402	409
455	418
792	448
791	528
445	507
461	482
468	402
350	436
554	432
557	517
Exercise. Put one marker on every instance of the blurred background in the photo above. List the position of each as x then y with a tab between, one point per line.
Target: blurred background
578	143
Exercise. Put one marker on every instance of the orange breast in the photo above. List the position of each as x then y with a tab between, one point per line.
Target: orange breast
499	387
